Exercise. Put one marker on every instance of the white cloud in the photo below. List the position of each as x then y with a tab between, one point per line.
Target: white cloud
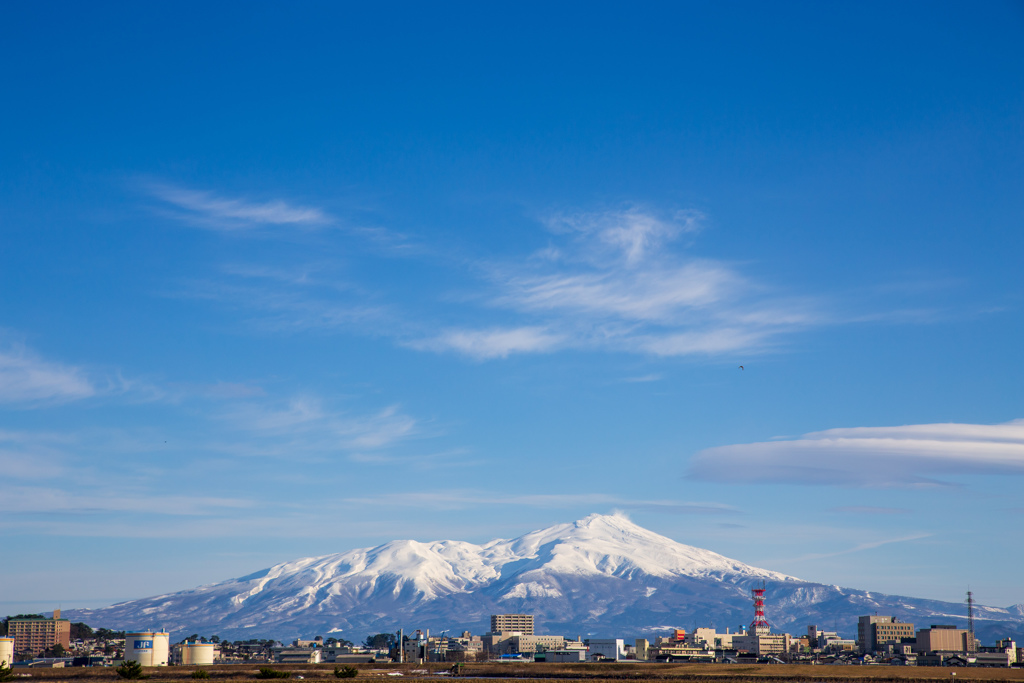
616	285
659	294
631	234
871	456
305	425
492	343
26	378
211	210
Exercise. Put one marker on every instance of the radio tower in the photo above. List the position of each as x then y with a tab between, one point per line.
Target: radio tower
759	626
970	621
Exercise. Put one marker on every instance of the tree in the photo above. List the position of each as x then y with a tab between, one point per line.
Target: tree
130	670
381	641
346	672
56	651
267	673
80	631
6	673
107	634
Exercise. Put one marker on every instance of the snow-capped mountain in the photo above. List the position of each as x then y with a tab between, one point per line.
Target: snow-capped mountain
601	575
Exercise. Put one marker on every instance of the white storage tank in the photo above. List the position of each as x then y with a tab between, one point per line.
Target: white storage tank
148	648
6	651
197	653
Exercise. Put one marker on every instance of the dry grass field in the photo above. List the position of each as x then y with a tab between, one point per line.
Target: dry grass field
593	673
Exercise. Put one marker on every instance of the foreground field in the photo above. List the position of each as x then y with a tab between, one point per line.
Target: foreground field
593	673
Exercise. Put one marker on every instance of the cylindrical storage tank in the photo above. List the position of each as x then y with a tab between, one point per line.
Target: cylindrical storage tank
148	648
197	653
6	651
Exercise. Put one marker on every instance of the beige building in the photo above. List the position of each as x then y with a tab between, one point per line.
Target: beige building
760	645
942	639
875	632
35	634
512	623
530	644
709	637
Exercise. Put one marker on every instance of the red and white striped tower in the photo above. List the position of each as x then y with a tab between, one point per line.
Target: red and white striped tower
759	626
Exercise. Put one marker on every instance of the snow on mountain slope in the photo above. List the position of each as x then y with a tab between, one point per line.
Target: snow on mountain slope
596	545
602	574
613	545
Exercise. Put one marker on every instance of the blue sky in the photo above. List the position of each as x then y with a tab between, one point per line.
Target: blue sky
281	280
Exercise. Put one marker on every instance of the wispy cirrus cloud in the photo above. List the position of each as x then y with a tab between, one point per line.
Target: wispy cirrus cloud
910	455
613	283
304	425
460	499
30	499
869	510
868	545
214	211
493	342
29	380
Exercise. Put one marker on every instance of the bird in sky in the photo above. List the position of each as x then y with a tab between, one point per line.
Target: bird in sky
741	367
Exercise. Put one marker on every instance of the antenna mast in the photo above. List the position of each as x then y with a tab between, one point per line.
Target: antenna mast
970	621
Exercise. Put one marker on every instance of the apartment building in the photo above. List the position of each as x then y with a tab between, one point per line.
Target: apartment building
35	634
512	623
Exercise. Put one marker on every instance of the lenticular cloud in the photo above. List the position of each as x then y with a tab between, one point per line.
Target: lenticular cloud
871	456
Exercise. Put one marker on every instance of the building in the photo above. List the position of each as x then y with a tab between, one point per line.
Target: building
512	623
296	655
35	634
466	648
529	644
762	645
941	638
875	632
710	638
565	656
6	651
606	648
148	648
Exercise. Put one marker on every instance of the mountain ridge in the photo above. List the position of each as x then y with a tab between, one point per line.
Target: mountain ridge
602	574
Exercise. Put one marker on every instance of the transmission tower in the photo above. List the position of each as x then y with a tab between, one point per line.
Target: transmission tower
970	621
759	626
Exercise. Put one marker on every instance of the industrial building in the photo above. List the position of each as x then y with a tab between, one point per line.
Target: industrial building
606	648
297	655
942	638
148	648
194	653
36	634
6	651
512	623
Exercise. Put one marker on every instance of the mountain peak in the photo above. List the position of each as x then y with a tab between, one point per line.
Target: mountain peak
617	521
